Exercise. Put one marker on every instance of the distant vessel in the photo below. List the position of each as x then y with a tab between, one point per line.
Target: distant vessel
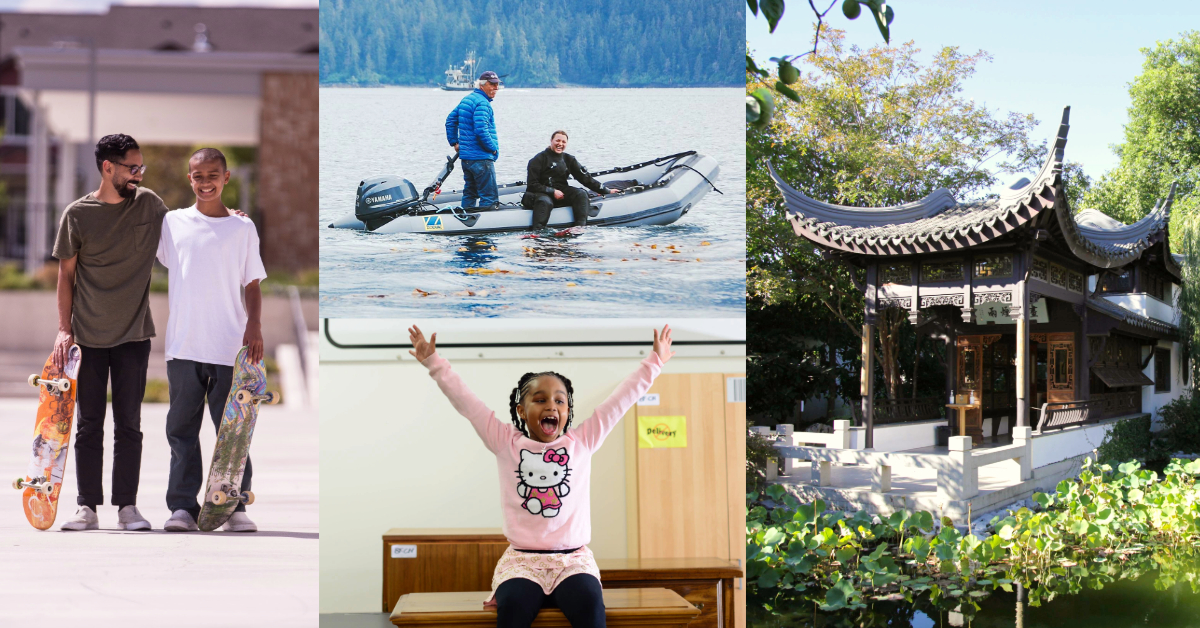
462	78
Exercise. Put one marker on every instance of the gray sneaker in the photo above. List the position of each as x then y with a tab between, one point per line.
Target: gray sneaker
180	521
128	518
239	522
84	519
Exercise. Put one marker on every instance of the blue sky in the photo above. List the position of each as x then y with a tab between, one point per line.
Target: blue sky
1045	55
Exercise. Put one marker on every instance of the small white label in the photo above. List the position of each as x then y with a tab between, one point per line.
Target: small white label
735	389
650	399
404	551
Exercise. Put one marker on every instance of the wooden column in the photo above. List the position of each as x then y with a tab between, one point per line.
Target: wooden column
1083	383
1021	314
867	383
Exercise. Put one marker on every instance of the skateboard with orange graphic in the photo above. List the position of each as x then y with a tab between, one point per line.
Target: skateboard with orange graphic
51	438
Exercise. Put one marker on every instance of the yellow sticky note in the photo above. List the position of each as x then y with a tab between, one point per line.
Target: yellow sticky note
662	431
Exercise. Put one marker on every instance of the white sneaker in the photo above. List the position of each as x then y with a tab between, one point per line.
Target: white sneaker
128	518
84	519
180	521
239	522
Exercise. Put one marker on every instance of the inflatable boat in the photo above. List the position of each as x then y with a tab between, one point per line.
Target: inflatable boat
655	192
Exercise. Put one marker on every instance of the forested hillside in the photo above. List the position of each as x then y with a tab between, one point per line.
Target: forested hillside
537	43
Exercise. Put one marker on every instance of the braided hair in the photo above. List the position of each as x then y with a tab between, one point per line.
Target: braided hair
523	388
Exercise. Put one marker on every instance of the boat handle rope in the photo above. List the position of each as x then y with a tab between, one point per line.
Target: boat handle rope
675	166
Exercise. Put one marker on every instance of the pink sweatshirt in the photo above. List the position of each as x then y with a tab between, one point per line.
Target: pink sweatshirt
544	487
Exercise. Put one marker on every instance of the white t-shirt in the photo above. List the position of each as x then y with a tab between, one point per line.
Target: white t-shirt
208	261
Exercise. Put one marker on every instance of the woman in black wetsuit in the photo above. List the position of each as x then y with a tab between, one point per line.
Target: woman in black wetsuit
547	187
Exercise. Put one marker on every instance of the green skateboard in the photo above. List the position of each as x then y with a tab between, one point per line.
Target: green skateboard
223	492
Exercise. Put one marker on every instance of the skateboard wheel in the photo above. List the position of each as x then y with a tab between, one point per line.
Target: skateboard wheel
249	497
272	398
33	380
219	497
243	396
47	489
19	483
65	385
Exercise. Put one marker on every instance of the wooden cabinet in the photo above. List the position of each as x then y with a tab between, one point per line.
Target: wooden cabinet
439	560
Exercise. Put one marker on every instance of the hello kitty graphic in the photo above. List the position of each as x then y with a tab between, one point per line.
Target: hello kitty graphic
543	480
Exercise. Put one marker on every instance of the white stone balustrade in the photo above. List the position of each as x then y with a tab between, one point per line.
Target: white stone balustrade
957	471
786	434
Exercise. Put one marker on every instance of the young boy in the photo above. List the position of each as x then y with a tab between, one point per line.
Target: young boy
210	254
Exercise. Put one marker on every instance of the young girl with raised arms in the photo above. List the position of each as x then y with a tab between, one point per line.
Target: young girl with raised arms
545	473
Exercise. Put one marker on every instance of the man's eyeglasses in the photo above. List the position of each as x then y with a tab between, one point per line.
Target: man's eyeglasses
134	170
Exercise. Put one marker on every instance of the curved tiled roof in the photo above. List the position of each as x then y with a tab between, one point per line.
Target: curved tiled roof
1108	243
940	223
935	223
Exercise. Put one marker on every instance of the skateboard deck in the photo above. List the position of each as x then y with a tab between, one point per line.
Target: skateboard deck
223	490
51	439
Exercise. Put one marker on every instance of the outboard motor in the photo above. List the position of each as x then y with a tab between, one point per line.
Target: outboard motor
379	200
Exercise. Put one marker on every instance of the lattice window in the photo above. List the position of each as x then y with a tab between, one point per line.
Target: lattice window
895	273
949	270
994	266
1118	281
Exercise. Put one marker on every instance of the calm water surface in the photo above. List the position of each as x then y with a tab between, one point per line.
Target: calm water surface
401	130
1163	597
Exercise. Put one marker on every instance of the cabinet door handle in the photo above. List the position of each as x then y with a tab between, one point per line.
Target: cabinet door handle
700	605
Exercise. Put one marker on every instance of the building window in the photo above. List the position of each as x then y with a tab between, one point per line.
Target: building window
1117	281
1162	370
994	266
951	270
895	273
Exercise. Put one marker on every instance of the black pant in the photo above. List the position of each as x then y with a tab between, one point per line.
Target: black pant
127	364
578	597
191	384
541	204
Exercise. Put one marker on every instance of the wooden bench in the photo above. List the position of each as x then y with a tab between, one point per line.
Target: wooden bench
706	583
623	607
446	560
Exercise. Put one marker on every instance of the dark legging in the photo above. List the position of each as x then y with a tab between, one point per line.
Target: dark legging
542	204
578	597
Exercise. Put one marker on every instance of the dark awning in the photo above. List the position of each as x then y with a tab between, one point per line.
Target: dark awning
1121	376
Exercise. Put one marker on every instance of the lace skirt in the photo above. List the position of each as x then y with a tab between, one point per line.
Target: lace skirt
545	569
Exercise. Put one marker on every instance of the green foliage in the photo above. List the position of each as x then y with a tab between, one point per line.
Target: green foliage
619	43
785	366
758	451
1162	139
842	561
11	278
1180	425
1127	440
759	115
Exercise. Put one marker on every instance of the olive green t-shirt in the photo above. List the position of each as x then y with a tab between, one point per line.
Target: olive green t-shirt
116	244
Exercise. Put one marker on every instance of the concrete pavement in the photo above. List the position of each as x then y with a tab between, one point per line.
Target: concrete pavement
132	579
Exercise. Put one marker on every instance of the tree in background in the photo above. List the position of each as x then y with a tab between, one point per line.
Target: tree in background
535	42
1161	148
870	128
1162	137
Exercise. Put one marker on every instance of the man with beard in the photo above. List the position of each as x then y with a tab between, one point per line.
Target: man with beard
106	245
547	186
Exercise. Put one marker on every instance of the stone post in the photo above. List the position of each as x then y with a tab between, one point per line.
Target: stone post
958	479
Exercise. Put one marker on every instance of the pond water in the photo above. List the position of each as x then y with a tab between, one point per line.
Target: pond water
601	273
1159	589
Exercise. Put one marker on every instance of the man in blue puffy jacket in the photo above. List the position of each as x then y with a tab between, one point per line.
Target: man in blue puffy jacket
471	130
